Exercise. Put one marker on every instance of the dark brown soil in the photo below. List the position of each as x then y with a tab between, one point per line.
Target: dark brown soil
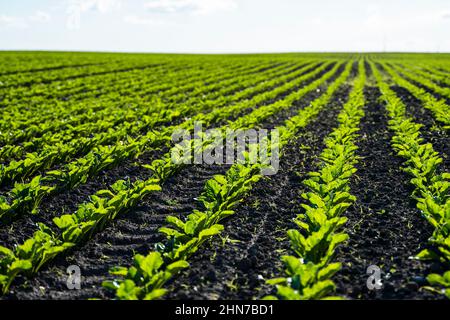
384	226
134	233
15	232
432	131
426	88
236	265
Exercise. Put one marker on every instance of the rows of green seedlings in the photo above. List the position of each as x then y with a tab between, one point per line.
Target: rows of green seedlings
146	278
309	272
79	89
58	91
438	107
25	198
75	87
10	68
431	186
415	76
100	125
37	121
435	70
63	149
443	68
29	117
122	99
14	62
125	118
439	62
23	79
424	78
118	110
51	109
428	73
105	205
85	69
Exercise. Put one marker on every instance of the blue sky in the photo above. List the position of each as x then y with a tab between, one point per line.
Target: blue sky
225	25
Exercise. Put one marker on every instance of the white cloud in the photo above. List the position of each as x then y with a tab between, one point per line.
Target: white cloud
143	21
77	7
40	16
24	22
102	6
446	15
11	21
380	22
200	7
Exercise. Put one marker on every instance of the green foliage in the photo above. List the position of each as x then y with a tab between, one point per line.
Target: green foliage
438	107
144	280
30	256
305	281
308	274
221	194
422	163
441	281
105	205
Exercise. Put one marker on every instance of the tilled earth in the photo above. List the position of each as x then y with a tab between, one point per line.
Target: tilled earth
136	232
385	228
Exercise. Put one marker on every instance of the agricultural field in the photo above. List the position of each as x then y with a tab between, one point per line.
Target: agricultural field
94	205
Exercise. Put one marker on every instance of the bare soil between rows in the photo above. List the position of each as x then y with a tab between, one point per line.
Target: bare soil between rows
236	265
384	226
135	232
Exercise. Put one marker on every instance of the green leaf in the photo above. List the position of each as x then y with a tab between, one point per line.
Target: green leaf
128	291
190	227
20	265
215	229
112	285
328	271
64	221
119	271
151	263
221	179
175	267
6	252
436	279
287	293
175	222
427	255
269	298
155	294
277	281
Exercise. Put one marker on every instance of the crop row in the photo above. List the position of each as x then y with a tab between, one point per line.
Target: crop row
77	172
24	116
431	186
309	272
438	107
148	274
423	81
103	207
27	80
26	197
124	117
429	73
79	89
13	63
